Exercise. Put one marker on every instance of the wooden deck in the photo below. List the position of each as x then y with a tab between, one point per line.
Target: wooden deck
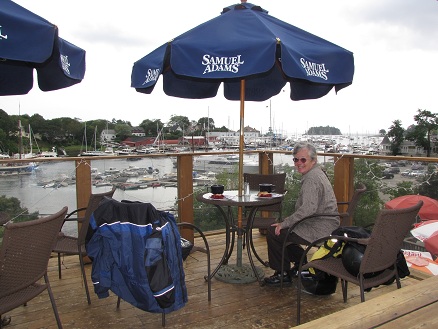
232	305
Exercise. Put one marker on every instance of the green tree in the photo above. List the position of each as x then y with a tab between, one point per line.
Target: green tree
382	132
402	188
7	124
151	127
8	133
429	183
179	120
123	130
206	123
12	207
396	134
367	172
427	122
327	130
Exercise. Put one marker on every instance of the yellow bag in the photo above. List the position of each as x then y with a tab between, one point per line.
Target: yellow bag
330	248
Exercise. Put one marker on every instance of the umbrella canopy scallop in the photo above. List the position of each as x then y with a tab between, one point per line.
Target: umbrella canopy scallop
245	42
28	42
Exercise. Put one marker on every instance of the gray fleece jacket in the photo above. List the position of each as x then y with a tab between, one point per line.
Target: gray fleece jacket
316	197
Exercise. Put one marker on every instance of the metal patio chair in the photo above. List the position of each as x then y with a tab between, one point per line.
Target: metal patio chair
347	216
379	258
70	245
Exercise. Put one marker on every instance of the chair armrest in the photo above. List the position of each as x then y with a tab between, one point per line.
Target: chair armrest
312	216
74	212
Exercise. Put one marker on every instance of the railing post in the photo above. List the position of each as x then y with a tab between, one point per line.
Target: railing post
83	183
185	193
344	180
266	163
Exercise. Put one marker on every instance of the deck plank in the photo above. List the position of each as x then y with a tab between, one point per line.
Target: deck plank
391	310
232	305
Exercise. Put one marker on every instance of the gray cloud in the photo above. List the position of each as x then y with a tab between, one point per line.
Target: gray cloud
407	23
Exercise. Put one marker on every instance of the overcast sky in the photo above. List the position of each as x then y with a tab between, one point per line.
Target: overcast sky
395	46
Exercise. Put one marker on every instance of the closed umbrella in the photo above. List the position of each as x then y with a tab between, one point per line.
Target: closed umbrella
28	42
253	54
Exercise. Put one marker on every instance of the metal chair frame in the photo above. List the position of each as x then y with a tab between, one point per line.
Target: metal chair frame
70	245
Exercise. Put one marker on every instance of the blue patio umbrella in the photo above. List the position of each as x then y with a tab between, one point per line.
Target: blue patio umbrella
28	42
253	54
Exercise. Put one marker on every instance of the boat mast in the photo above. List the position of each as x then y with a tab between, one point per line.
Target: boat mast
20	139
85	137
30	141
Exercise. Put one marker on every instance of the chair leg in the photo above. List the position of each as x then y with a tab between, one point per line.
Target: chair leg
362	290
344	285
206	251
251	242
4	321
84	277
59	265
298	299
52	300
163	319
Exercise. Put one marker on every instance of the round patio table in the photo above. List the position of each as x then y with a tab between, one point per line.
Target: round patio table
238	273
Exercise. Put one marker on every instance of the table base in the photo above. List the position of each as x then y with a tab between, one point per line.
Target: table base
238	274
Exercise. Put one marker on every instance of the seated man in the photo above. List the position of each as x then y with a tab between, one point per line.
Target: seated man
316	197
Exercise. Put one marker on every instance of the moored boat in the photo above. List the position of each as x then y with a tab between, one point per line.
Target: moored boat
229	163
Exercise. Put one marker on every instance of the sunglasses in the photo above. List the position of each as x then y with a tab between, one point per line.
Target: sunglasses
303	160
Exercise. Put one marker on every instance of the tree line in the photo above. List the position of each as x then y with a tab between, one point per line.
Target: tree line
64	132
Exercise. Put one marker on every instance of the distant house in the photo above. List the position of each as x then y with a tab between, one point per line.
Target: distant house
232	137
406	148
193	141
107	135
138	142
138	131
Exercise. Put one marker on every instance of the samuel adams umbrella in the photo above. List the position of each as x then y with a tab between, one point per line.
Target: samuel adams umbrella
253	54
29	42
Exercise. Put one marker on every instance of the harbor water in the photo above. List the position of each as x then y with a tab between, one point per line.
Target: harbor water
37	195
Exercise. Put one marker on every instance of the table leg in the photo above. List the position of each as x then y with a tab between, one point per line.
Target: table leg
240	273
226	254
258	273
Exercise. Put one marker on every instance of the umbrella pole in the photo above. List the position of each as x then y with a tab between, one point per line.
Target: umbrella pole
240	177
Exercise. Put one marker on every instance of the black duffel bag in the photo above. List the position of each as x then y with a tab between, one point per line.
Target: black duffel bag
186	247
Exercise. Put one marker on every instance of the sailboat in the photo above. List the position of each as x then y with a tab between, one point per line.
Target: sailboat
94	152
21	154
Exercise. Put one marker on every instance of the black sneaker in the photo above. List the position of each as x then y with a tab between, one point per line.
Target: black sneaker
274	280
293	272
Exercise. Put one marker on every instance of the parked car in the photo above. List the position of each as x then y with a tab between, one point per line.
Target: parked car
406	173
394	170
402	163
417	173
387	174
417	167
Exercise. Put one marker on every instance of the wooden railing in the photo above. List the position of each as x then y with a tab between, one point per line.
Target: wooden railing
343	174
